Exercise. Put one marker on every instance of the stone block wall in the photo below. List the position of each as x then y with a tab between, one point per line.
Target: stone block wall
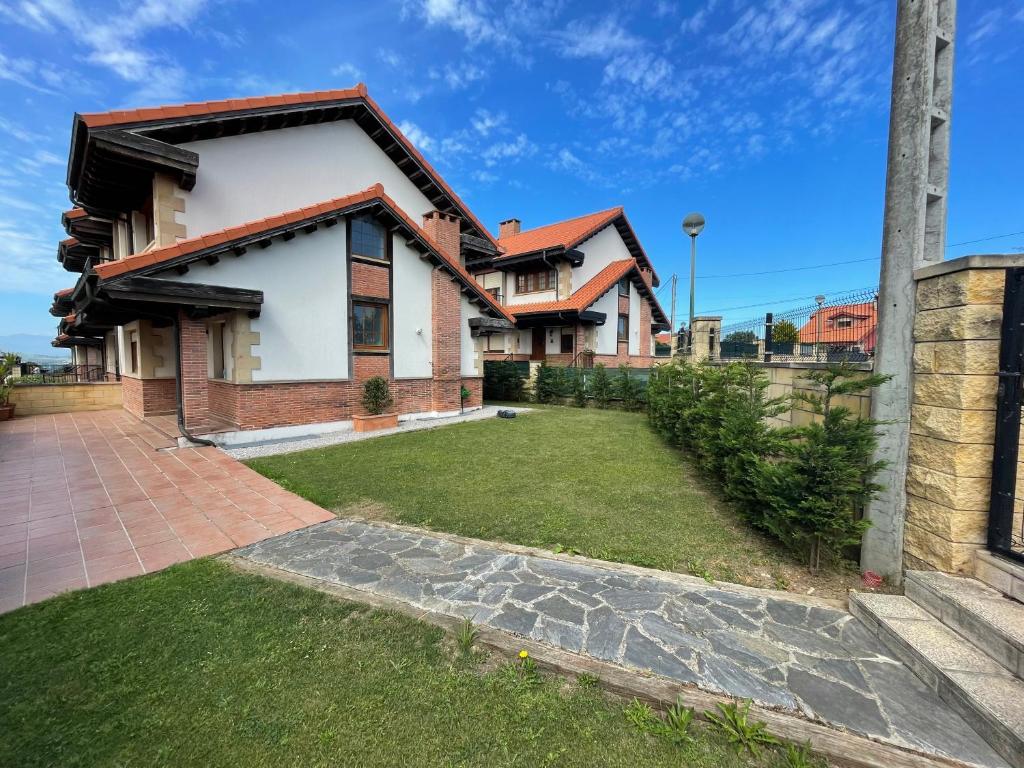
33	399
952	420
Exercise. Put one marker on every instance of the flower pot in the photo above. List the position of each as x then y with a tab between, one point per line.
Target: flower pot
373	423
6	411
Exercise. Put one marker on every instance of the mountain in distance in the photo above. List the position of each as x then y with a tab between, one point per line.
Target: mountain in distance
33	346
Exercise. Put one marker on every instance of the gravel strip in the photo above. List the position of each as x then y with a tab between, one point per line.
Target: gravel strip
348	436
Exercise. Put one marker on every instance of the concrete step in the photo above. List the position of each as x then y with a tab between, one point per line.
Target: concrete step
981	691
986	617
1000	573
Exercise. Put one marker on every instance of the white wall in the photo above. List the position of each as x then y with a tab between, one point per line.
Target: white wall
255	175
607	334
468	344
527	298
634	320
411	311
303	325
599	251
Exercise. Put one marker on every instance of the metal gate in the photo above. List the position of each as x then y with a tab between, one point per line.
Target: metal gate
1006	509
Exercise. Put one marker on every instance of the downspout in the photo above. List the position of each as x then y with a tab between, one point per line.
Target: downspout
178	395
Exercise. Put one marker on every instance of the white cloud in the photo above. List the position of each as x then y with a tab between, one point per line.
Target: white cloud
601	39
988	24
697	21
348	71
647	71
484	121
389	57
416	135
462	75
517	148
17	131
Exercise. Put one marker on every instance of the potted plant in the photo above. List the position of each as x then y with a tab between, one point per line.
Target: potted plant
376	400
7	362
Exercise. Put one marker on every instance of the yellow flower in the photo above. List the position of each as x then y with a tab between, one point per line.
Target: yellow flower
524	654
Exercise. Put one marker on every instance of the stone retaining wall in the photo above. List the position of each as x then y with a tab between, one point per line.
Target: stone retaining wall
33	399
789	379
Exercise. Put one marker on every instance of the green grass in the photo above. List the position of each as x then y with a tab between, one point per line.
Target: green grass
201	665
600	483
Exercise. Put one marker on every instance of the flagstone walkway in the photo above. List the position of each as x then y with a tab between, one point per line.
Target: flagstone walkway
782	653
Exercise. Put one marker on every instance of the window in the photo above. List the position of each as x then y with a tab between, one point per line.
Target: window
496	342
567	339
495	294
133	352
216	342
623	286
369	326
844	322
368	239
529	282
623	327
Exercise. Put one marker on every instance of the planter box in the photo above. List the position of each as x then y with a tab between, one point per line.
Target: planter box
6	412
372	423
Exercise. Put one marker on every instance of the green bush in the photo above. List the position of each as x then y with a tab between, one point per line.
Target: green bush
807	485
376	395
503	380
784	332
627	389
579	389
601	386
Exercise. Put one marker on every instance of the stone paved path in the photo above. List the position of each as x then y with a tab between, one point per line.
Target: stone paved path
781	653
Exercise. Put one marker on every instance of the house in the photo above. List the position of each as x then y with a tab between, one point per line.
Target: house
844	327
250	263
580	290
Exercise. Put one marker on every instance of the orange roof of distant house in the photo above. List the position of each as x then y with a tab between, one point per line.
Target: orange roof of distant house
191	245
861	330
227	106
587	294
561	234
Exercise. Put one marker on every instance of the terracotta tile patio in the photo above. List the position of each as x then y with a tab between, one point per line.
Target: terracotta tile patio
88	498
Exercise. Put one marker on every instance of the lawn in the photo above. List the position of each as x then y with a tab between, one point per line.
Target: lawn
597	482
202	665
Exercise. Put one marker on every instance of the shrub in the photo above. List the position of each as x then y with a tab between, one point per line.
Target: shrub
785	332
601	386
804	485
8	360
503	380
376	395
627	389
579	390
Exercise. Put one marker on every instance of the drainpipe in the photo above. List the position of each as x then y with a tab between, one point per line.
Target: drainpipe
178	395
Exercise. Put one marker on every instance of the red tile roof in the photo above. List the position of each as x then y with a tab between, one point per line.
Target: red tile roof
864	317
227	106
63	292
586	295
167	253
562	234
74	213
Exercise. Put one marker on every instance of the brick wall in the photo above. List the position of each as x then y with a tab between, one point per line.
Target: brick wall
370	280
223	400
194	371
444	230
32	399
148	397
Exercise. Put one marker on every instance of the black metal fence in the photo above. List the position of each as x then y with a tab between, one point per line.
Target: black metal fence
63	374
835	328
1006	507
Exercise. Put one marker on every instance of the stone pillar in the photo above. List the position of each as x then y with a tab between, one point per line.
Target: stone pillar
707	332
194	380
952	424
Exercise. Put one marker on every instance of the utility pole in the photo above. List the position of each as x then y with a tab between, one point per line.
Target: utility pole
674	341
913	236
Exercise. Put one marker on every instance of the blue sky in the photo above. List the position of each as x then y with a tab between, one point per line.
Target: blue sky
769	117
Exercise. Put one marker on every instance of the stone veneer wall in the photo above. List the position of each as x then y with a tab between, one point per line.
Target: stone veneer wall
787	379
956	361
33	399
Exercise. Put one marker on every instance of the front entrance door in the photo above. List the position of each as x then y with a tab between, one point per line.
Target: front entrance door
537	352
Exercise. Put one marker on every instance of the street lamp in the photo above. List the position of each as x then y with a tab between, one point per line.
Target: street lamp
820	300
693	225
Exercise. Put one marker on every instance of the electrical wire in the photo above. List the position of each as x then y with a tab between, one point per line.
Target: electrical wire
783	301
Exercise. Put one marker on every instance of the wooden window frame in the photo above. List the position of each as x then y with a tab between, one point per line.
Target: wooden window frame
624	287
622	330
572	343
385	345
385	250
535	278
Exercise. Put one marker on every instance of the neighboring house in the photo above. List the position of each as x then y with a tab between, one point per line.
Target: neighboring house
845	327
254	261
581	292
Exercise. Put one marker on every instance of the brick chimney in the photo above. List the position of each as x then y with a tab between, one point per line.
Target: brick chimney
443	229
508	228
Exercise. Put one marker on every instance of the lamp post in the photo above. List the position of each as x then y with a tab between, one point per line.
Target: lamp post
817	328
693	225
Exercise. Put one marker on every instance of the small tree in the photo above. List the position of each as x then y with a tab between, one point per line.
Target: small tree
579	389
8	360
547	386
785	332
601	386
740	337
376	395
627	389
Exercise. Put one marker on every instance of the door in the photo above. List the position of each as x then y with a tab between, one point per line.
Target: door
537	352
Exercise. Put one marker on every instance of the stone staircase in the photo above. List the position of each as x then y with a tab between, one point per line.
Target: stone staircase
965	640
